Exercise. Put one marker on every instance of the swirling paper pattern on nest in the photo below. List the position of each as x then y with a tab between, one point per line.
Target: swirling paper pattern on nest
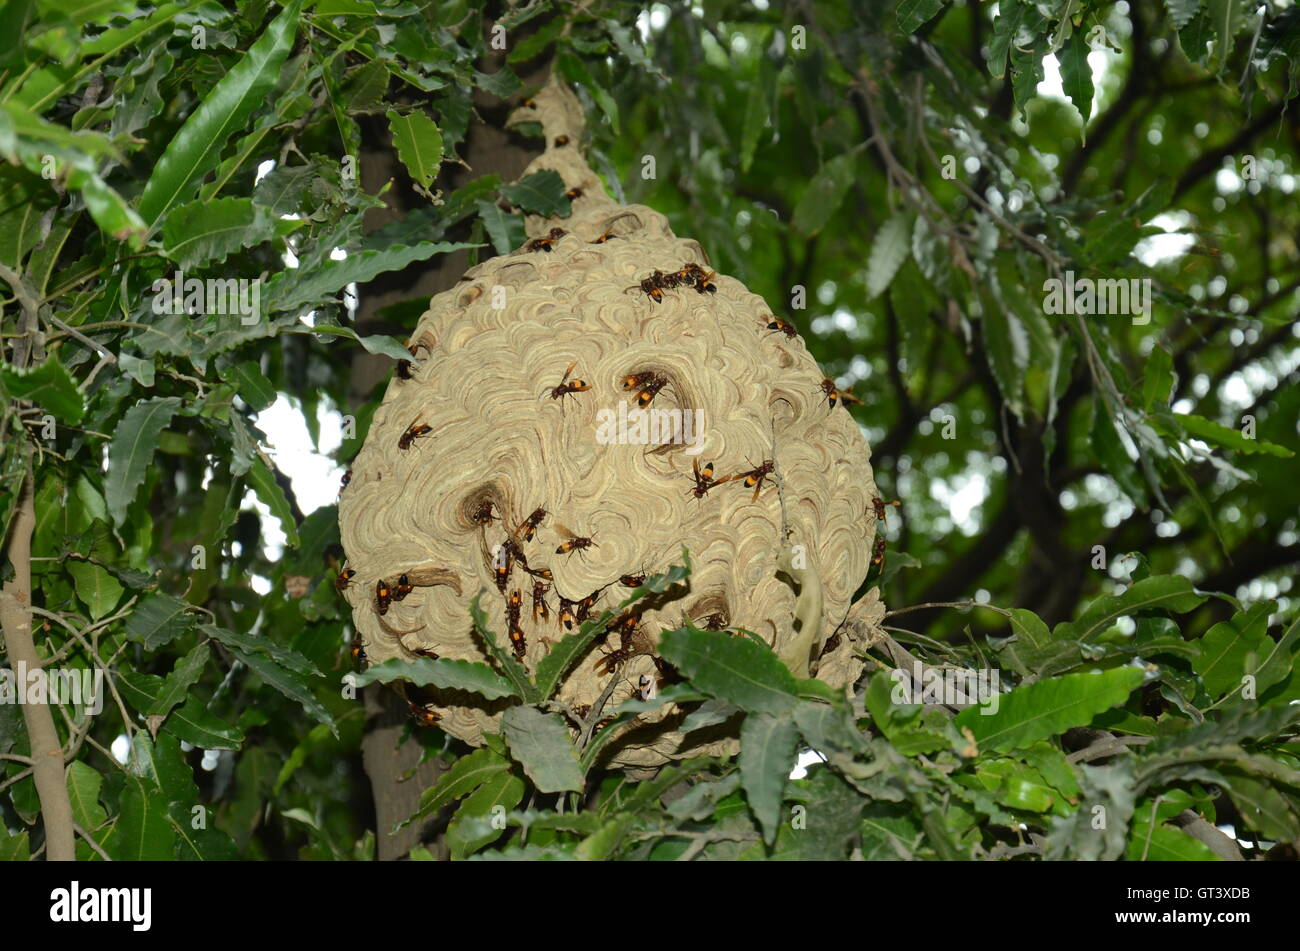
489	355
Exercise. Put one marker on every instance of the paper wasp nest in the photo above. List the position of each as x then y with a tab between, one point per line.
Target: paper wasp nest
488	357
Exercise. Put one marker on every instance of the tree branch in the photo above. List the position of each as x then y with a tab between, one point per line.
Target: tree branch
16	621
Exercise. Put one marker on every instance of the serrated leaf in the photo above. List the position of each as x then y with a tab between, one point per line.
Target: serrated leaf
560	658
888	252
49	386
766	756
824	194
196	148
1172	593
1227	437
1046	708
465	775
913	14
134	442
541	193
260	644
291	289
201	233
757	115
176	685
196	725
1158	380
504	791
1182	11
1008	350
505	660
1076	76
734	669
252	385
158	619
1106	792
505	230
365	86
448	674
419	145
263	482
540	743
1264	807
289	683
373	343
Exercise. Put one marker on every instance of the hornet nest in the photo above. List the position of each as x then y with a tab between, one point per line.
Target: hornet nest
498	463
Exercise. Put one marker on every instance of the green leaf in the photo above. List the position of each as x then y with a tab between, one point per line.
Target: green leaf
1265	808
1158	380
505	660
200	233
419	145
194	724
1225	16
561	657
144	833
540	743
1276	666
291	289
757	115
253	386
1195	37
1163	843
1227	437
1008	350
541	193
1106	794
535	42
176	685
502	792
1172	593
260	644
1010	15
1232	648
84	784
14	848
575	71
767	745
913	14
98	590
135	440
505	230
1076	76
196	148
206	844
1048	708
448	674
824	193
158	619
1182	11
288	682
734	669
374	343
466	775
263	482
888	252
49	386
